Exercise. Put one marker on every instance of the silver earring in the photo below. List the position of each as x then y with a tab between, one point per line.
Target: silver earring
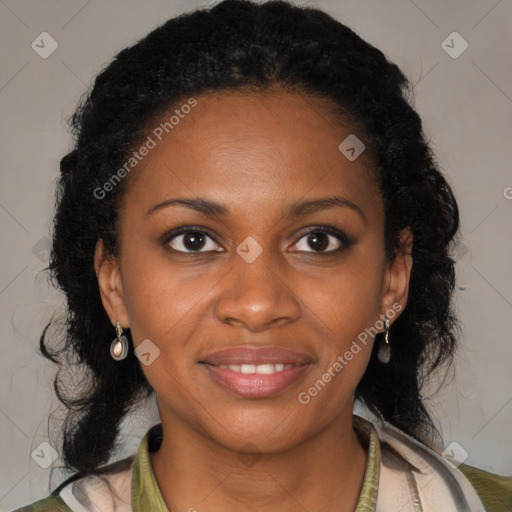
384	353
119	345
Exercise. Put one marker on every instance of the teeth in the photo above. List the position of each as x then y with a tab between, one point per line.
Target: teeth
266	368
248	368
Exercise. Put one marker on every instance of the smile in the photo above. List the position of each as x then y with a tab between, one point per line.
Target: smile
256	372
256	381
261	369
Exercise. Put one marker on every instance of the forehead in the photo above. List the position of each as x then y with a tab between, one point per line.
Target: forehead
257	148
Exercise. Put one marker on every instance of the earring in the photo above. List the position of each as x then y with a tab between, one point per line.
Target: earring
384	353
119	345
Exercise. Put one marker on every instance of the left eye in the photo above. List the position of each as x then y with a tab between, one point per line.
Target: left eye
319	240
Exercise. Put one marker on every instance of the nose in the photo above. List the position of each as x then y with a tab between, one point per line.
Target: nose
257	296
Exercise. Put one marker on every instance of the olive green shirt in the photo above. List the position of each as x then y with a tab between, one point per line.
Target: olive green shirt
494	491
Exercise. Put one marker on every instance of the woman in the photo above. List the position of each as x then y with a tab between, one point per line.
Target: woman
252	227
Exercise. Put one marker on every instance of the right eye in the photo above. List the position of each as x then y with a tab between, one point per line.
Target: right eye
190	240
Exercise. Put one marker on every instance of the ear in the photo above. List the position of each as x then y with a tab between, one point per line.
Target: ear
110	285
398	273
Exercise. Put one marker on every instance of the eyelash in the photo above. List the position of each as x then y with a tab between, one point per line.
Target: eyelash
345	240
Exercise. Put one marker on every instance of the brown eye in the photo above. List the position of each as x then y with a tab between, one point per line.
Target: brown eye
191	240
318	241
323	240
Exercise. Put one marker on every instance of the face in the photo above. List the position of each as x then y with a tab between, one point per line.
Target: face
271	265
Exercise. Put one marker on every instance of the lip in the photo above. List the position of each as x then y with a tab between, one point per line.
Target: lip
256	385
257	355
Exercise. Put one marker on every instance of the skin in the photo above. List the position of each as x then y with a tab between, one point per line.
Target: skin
221	451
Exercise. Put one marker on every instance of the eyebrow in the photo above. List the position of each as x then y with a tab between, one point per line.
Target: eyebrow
296	209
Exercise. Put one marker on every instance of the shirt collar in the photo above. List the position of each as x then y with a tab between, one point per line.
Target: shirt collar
368	496
146	495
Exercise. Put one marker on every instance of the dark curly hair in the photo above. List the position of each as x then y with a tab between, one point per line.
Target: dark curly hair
241	45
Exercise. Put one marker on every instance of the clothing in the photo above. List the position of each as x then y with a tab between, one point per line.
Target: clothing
402	475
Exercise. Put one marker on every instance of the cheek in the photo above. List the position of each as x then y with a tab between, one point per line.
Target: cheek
345	306
345	310
347	298
156	291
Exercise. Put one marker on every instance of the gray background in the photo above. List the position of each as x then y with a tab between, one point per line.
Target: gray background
466	105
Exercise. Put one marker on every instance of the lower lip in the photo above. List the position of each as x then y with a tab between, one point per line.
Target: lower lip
256	385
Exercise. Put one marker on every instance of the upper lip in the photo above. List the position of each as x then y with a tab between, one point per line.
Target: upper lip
256	355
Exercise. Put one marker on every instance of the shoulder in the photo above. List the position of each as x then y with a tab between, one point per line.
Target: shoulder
495	491
52	503
478	487
108	490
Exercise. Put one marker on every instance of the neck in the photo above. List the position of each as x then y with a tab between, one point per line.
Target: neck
195	472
